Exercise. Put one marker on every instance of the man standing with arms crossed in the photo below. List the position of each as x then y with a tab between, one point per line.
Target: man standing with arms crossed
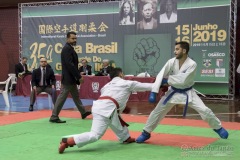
70	79
180	71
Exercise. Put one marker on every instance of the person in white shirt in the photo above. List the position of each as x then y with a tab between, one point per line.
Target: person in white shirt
169	16
180	71
106	112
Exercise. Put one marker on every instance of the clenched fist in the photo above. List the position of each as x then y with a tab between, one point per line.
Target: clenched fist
146	54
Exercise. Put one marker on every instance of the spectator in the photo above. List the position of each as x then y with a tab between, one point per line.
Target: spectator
106	68
85	69
21	68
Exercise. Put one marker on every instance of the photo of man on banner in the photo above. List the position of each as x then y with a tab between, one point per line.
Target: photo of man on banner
147	14
168	11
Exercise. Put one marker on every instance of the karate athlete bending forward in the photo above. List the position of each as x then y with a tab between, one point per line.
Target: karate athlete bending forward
106	110
180	72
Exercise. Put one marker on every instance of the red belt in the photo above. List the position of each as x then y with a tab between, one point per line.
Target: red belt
123	123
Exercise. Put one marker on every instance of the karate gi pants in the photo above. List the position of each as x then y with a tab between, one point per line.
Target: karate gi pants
197	104
99	127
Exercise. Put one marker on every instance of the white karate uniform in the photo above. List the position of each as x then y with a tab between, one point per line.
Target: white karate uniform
179	78
164	18
104	111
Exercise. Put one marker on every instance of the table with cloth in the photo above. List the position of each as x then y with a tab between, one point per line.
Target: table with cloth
90	89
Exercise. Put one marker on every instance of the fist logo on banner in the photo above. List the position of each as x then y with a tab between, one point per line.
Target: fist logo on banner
95	87
146	55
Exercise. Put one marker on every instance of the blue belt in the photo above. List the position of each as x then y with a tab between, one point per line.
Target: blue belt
176	90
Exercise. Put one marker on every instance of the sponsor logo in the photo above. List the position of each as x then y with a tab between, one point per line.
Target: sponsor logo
219	62
220	72
207	62
58	85
216	54
95	87
207	71
204	52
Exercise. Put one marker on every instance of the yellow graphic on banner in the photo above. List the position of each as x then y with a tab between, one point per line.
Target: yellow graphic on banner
201	35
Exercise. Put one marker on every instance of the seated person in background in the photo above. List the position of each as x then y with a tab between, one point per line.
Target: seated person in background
106	68
85	69
43	80
21	68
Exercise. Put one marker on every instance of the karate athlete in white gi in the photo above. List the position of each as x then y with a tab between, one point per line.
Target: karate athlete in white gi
180	72
106	110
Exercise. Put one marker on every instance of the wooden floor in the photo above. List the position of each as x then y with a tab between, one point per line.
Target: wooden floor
225	110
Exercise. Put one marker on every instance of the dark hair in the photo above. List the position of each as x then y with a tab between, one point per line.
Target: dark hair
24	58
144	3
131	14
84	60
164	4
183	45
69	33
115	72
41	57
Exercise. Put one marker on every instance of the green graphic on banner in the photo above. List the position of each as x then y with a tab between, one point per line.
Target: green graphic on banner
146	53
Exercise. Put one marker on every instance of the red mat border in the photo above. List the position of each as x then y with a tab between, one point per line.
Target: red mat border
173	140
22	117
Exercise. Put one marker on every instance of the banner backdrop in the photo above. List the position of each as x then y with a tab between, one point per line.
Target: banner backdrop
136	36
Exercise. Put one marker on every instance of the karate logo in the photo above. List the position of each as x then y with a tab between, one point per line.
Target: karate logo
58	85
95	87
146	54
207	62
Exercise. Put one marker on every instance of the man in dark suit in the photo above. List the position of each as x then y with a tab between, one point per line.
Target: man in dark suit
85	69
106	68
48	66
43	80
21	68
70	79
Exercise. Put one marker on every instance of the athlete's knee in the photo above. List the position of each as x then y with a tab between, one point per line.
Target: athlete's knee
160	108
207	113
94	137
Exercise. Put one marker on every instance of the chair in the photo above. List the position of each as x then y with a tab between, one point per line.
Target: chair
50	104
143	74
13	81
5	91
